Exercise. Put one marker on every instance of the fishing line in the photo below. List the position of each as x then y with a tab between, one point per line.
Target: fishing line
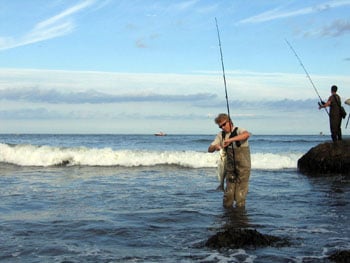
307	74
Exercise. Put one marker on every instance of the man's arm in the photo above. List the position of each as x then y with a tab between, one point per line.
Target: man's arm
213	148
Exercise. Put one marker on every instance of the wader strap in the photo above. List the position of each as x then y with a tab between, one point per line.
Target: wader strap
238	144
233	134
337	101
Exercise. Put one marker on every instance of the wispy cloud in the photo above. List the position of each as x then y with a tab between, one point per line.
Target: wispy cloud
203	100
285	105
53	96
246	109
142	42
337	28
113	86
56	26
184	5
278	13
42	113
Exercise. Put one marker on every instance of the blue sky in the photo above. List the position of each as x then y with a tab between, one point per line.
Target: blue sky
143	66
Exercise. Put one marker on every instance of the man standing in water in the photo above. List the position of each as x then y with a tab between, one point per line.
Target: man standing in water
334	103
237	169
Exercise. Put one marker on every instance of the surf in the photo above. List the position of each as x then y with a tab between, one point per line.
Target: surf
45	156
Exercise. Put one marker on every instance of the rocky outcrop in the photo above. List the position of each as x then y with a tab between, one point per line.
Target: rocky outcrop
240	238
330	158
340	256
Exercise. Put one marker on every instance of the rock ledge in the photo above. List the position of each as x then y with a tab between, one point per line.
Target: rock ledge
340	256
326	159
240	238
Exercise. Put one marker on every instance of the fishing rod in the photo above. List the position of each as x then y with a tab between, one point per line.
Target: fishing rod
307	74
227	105
223	69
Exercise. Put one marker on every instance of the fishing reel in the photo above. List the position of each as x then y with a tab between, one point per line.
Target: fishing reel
321	103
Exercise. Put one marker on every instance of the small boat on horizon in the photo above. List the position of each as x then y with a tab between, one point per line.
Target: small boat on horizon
160	134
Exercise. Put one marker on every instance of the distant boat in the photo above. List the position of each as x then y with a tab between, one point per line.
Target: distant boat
160	134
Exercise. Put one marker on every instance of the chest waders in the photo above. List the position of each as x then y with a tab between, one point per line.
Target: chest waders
231	157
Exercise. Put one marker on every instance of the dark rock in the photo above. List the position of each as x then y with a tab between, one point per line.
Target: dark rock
341	256
239	238
330	158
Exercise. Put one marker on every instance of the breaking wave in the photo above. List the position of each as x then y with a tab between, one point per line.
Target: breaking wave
32	155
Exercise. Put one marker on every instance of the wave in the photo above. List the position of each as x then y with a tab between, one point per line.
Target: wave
45	156
272	161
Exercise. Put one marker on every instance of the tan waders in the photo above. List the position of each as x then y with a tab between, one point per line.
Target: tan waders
237	181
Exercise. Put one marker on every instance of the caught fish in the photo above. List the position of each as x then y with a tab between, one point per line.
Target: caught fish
221	169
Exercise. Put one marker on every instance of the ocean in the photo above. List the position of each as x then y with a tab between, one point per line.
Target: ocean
144	198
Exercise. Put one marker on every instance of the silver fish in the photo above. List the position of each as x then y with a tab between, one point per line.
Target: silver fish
221	169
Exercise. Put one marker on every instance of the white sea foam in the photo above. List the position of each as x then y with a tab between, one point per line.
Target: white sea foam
271	161
31	155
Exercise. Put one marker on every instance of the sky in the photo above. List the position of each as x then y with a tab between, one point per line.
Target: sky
142	66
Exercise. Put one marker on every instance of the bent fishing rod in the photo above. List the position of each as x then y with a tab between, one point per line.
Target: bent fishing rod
227	105
307	74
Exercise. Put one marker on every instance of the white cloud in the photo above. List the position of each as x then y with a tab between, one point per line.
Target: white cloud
277	13
53	96
242	85
56	26
184	5
78	101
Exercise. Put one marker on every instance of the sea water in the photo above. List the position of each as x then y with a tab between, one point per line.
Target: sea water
144	198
